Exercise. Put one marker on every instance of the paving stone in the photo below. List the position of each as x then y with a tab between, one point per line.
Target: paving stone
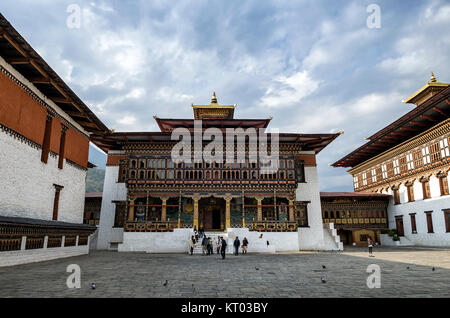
279	275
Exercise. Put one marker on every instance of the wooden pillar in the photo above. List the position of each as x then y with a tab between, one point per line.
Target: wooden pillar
195	221
243	210
131	210
228	213
259	200
163	209
291	210
179	211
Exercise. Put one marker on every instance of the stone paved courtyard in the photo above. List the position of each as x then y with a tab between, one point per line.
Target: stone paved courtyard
279	275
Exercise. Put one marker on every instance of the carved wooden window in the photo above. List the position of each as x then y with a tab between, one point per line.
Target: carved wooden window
417	157
435	152
396	196
399	225
384	171
413	223
444	148
410	161
390	169
132	174
300	170
430	221
447	220
396	167
142	164
410	191
301	214
47	136
62	146
364	178
119	214
426	155
403	165
133	163
443	185
122	172
374	175
58	189
355	182
141	174
426	189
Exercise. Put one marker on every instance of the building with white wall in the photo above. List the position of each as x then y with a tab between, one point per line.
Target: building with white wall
45	130
410	160
153	202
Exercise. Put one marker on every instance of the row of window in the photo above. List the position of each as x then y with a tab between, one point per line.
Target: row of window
219	175
400	228
426	193
413	160
354	214
168	163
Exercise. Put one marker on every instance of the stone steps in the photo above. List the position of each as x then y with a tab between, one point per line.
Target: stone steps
198	249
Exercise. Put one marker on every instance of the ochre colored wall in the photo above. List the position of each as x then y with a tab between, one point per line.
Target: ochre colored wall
114	160
56	135
20	112
77	147
310	160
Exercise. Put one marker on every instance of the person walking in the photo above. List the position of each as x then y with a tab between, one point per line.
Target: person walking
191	244
219	241
195	234
201	232
223	247
209	247
244	245
236	244
204	245
370	245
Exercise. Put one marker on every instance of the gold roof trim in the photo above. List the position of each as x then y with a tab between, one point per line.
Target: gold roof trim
428	90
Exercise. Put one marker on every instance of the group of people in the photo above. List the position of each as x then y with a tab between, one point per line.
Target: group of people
221	244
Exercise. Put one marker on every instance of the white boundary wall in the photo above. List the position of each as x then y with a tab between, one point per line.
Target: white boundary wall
436	203
112	191
27	188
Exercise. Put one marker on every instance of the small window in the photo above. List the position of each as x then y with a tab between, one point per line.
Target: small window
429	221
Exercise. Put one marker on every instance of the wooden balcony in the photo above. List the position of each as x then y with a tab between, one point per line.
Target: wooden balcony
367	223
152	226
272	226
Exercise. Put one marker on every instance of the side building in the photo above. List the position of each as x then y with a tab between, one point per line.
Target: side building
410	160
152	203
45	131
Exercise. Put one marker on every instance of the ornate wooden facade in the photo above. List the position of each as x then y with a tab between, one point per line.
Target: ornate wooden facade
163	194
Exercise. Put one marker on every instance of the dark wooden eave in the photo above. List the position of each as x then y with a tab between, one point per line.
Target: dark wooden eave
169	124
25	60
114	141
428	114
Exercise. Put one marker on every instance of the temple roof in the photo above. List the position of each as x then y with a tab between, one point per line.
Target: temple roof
168	125
115	140
353	195
25	60
213	110
428	113
431	88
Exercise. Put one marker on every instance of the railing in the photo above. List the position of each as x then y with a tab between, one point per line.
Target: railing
54	242
358	222
272	226
152	226
10	244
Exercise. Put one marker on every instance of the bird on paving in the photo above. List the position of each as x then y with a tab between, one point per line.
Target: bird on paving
165	284
433	269
324	267
323	280
257	268
93	286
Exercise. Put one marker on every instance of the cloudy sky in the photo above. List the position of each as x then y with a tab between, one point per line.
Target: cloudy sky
315	66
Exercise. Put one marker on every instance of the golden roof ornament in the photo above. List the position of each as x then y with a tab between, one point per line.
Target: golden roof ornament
214	98
433	79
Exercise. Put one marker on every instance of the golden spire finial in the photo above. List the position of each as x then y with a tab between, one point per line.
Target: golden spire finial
433	79
214	98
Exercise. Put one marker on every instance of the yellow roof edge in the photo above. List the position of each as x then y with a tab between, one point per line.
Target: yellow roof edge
421	90
214	106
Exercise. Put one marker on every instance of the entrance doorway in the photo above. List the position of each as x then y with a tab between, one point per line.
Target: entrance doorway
212	214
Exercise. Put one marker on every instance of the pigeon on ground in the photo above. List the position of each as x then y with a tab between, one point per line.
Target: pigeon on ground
407	267
257	268
433	269
93	286
324	267
323	280
165	284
